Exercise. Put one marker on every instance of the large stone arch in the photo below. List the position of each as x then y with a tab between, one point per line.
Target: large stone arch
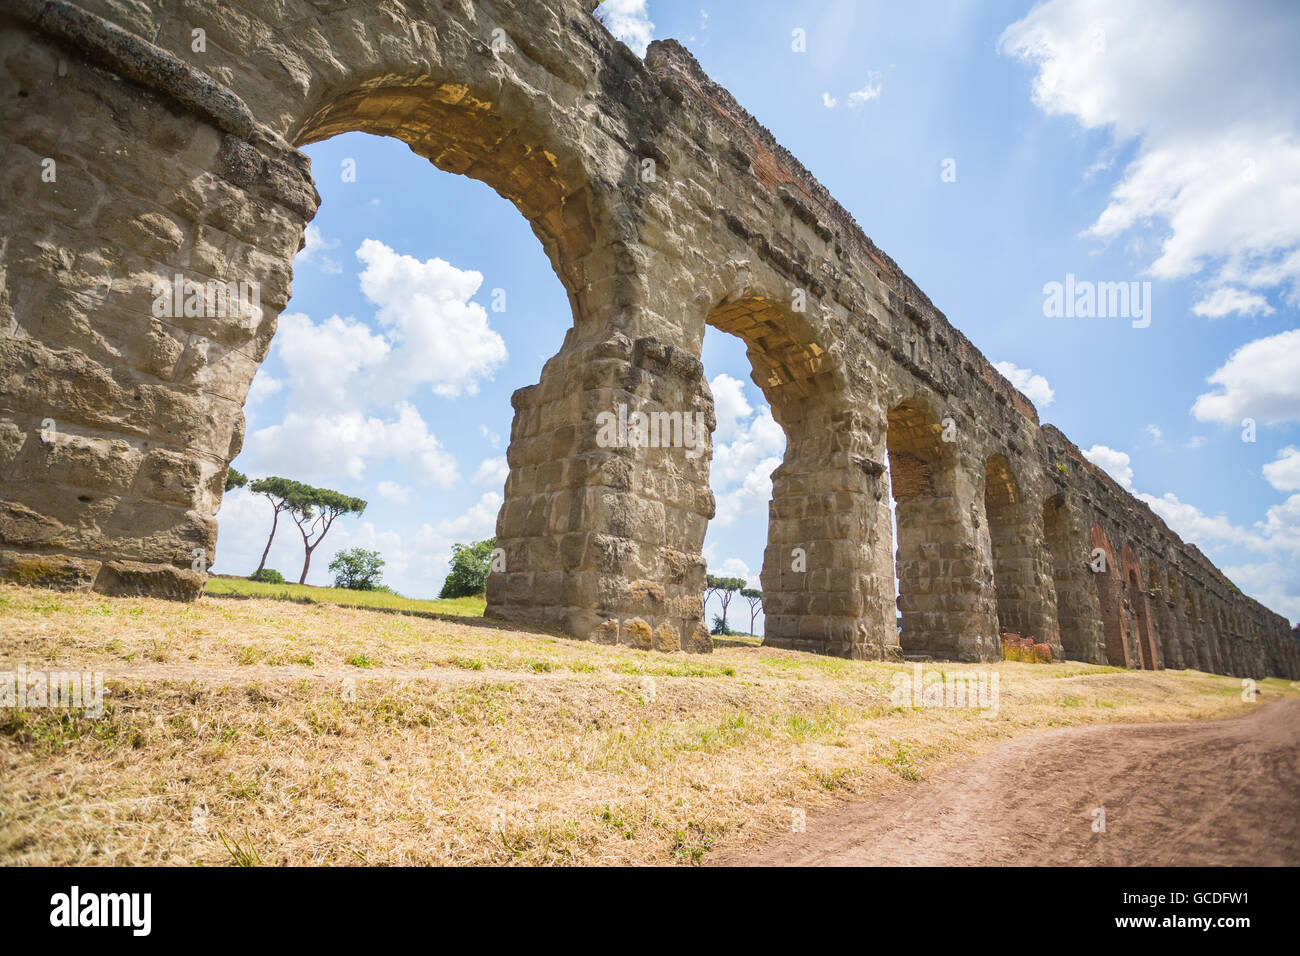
823	584
228	200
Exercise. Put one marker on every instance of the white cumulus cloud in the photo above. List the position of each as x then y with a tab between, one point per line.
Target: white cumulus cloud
1115	463
748	446
1207	92
342	444
628	21
729	405
754	441
750	498
492	471
1034	387
1228	301
1284	473
330	364
1260	380
441	338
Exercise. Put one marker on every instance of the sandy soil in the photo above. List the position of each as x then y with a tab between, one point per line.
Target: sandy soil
1207	793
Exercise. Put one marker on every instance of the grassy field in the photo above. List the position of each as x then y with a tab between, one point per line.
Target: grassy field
262	731
224	586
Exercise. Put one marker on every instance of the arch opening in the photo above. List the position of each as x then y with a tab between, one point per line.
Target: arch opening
401	396
576	545
1110	600
1009	550
1068	573
512	146
933	577
820	579
1137	600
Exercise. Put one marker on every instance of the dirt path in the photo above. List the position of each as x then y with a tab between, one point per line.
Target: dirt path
1214	793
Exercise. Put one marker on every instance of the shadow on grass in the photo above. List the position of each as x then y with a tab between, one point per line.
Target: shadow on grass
736	641
471	620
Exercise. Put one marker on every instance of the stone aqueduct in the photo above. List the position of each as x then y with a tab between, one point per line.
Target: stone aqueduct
117	426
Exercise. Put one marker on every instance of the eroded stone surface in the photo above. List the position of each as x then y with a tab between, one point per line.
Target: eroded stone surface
117	424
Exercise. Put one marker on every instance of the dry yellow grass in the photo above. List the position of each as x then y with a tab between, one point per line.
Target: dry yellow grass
280	733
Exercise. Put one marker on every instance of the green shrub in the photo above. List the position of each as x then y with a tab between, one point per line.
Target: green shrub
267	576
357	569
723	629
470	565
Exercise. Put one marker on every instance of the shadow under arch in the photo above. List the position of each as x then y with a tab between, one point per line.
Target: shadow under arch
1075	602
1137	599
1023	574
943	591
1003	502
828	520
1110	599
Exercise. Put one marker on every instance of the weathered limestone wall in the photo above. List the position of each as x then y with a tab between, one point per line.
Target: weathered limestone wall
664	207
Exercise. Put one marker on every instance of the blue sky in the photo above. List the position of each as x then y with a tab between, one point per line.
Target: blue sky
1112	141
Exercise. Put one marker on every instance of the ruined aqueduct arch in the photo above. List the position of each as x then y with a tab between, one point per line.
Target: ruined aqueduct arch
117	425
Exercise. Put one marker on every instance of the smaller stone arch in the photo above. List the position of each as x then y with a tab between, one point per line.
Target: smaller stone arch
945	591
1076	599
1141	610
826	581
1010	550
1175	633
1106	578
1197	656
